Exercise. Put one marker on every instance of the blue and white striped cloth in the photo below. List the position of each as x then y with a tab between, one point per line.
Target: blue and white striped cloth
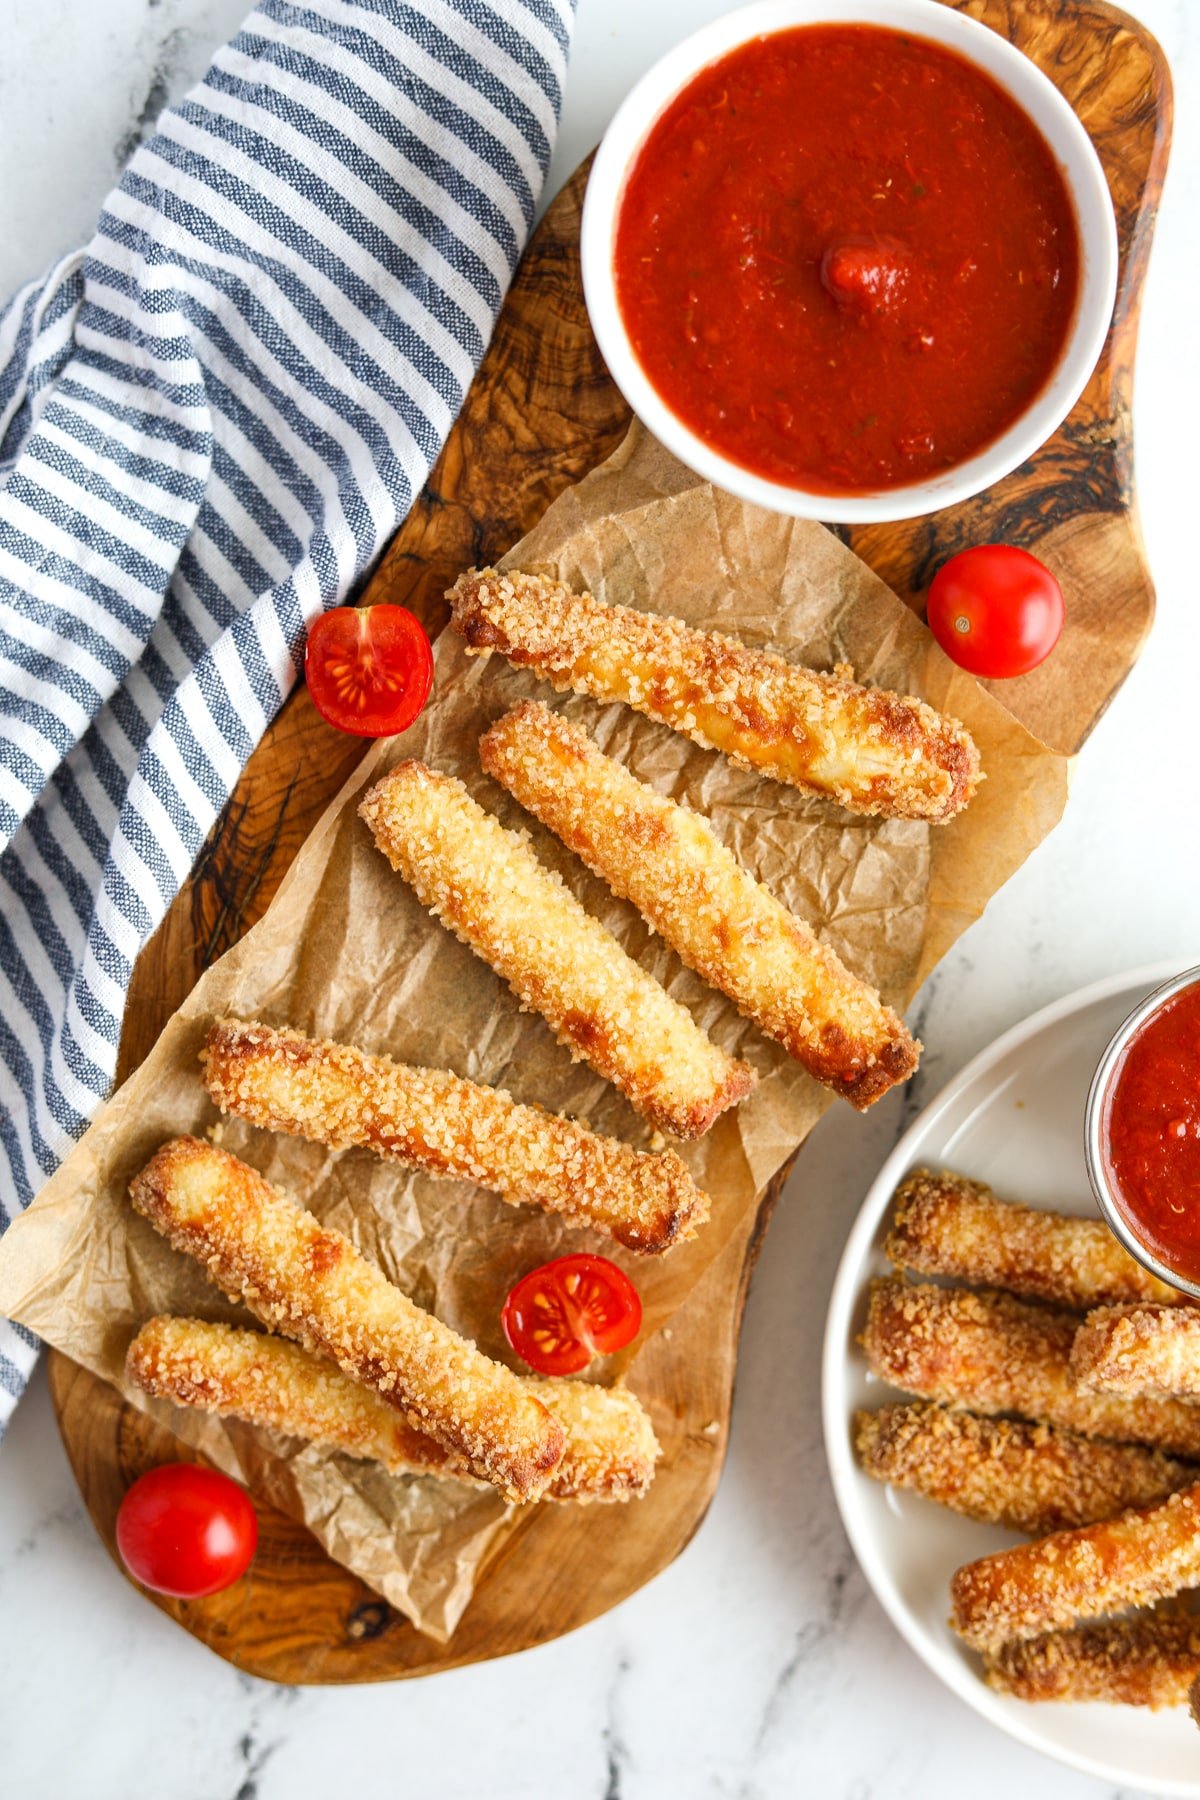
211	420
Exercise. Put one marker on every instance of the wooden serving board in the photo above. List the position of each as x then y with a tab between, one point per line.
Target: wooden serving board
541	413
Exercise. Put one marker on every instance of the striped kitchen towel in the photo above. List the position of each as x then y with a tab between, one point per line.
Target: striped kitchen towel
211	420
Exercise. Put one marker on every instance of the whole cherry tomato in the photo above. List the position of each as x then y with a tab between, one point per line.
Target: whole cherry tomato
996	610
562	1314
186	1531
369	668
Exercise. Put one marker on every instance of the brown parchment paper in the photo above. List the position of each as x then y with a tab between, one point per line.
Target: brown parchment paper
346	951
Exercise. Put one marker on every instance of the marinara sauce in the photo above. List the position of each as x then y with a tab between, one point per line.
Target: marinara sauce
845	258
1151	1135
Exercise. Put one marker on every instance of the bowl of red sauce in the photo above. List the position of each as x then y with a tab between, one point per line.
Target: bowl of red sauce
849	259
1142	1132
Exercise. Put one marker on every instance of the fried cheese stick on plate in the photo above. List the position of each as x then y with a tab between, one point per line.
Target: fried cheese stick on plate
1151	1660
693	891
610	1448
487	886
992	1353
427	1119
1140	1351
310	1283
1073	1576
949	1225
1028	1477
870	750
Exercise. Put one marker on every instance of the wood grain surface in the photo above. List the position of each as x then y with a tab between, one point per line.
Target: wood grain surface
541	413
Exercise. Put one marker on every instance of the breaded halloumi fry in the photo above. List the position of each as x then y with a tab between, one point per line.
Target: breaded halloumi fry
610	1448
994	1354
728	927
1143	1352
1072	1576
310	1283
489	888
1151	1660
428	1119
1028	1477
269	1381
870	750
949	1225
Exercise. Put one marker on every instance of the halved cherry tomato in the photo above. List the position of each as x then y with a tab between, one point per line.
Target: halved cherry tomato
996	610
186	1531
369	668
561	1315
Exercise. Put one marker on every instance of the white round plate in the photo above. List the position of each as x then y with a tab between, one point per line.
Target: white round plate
1012	1118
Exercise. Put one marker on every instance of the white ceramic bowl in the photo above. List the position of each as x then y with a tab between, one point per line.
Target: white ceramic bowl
1032	91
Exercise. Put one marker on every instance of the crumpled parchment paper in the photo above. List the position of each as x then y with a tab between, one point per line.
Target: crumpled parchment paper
346	951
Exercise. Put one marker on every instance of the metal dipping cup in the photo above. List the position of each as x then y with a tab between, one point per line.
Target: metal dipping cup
1094	1130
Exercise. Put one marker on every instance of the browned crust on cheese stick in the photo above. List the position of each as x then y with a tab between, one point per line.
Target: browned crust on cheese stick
949	1225
995	1354
1148	1660
870	750
693	891
1072	1576
1139	1351
488	887
431	1120
269	1381
310	1283
610	1448
1029	1477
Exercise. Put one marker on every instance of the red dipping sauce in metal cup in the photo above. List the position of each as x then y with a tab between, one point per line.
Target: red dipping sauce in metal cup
1143	1132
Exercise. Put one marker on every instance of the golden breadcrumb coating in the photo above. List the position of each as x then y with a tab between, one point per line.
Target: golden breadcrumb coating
1073	1576
1148	1660
310	1283
268	1381
488	887
870	750
1028	1477
1139	1351
949	1225
610	1448
992	1353
728	927
431	1120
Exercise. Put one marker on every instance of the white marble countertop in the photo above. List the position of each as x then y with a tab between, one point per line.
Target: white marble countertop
759	1664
